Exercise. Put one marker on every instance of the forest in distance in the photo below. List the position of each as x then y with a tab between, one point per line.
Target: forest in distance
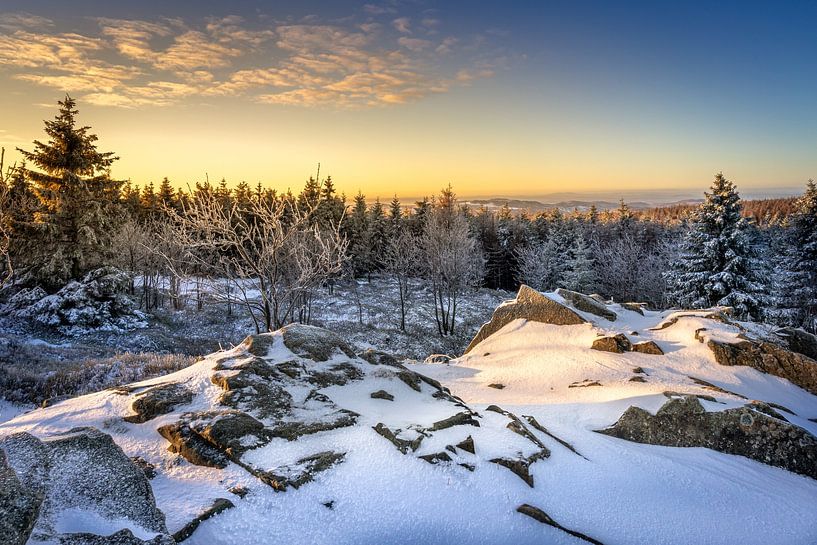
63	215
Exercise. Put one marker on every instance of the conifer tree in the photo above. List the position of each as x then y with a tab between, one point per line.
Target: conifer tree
167	195
580	274
717	265
77	197
801	277
395	217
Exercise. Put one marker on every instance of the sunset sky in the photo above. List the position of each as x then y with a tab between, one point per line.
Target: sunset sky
501	98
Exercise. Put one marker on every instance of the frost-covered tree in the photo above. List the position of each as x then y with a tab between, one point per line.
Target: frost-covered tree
580	273
77	197
540	265
403	260
717	265
453	259
799	279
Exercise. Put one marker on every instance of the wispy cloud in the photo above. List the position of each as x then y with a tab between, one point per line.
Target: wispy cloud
130	63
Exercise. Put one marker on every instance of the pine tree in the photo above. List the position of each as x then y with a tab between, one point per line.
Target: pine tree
77	197
167	195
358	235
395	217
801	280
378	232
717	263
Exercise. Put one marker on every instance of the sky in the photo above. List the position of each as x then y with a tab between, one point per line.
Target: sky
516	99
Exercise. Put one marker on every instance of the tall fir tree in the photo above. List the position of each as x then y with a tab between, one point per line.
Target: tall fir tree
78	200
801	262
717	264
580	273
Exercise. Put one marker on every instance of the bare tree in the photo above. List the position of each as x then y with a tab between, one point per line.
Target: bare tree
454	263
276	256
403	261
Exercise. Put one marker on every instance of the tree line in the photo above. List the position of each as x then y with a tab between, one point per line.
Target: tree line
267	252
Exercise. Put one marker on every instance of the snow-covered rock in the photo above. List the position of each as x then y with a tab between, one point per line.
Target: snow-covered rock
293	437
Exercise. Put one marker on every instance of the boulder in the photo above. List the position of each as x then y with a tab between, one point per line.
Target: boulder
634	307
122	537
744	431
81	469
314	343
19	506
800	341
648	347
618	343
528	305
382	394
158	400
768	358
587	304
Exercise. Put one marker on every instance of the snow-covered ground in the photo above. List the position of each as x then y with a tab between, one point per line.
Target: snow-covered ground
615	491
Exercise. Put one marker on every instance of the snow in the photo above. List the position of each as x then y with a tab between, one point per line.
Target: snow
617	492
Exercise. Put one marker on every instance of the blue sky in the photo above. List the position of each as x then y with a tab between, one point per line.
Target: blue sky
515	98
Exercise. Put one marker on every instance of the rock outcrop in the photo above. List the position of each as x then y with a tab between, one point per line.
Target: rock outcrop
648	347
800	341
756	432
82	469
528	305
768	358
587	304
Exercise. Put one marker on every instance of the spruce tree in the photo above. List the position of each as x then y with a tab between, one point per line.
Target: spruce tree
717	263
580	273
77	197
801	282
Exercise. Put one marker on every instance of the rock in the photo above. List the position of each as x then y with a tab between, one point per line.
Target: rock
79	469
459	419
768	358
233	432
219	506
250	387
314	343
587	304
639	371
529	305
520	467
259	345
438	358
19	506
382	394
709	386
648	347
411	379
584	384
191	446
158	400
618	343
467	445
436	457
536	425
402	445
293	430
122	537
497	386
540	516
683	422
800	341
634	307
637	379
240	491
310	466
147	468
377	357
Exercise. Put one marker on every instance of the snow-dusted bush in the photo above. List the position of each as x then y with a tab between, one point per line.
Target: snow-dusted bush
98	302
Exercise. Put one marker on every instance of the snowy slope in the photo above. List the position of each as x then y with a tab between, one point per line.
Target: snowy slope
611	490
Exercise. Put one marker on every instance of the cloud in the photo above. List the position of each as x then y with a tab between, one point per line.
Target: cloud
348	63
11	22
402	24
